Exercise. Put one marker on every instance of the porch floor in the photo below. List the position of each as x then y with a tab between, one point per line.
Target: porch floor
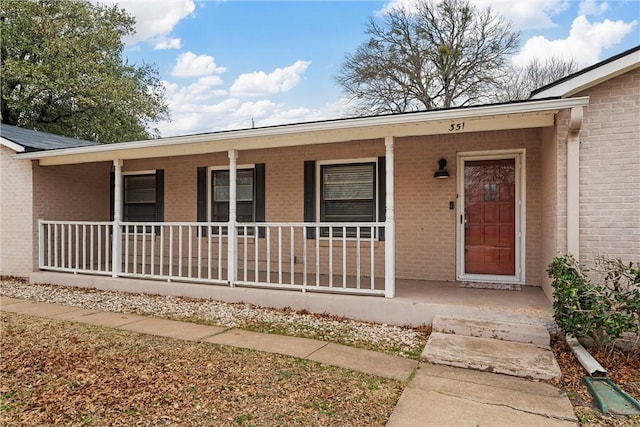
416	301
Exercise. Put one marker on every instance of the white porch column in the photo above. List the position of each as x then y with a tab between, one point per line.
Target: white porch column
40	243
116	248
573	183
389	225
232	235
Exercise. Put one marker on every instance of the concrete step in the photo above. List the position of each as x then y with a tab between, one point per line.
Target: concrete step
491	355
517	332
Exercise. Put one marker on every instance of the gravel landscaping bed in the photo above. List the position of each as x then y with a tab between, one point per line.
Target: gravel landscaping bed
402	341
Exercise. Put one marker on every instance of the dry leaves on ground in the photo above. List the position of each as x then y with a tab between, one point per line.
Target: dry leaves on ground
623	369
62	373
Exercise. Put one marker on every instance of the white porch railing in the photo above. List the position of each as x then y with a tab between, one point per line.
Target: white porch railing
346	258
78	247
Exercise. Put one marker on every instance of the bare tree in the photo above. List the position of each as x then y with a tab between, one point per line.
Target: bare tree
519	82
443	54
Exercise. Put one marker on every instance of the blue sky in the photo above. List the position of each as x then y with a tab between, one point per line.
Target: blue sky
225	63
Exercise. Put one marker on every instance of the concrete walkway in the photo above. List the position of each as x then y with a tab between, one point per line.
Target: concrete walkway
447	396
369	362
435	395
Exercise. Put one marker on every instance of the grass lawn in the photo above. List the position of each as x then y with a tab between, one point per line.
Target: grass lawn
63	373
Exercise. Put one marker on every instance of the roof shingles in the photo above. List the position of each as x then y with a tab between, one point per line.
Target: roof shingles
33	140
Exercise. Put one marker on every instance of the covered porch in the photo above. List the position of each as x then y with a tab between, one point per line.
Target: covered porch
243	214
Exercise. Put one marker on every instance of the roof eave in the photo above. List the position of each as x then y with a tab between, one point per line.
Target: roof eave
12	145
585	80
268	137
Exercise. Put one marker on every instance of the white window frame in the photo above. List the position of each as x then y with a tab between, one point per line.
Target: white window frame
210	171
142	172
318	189
520	157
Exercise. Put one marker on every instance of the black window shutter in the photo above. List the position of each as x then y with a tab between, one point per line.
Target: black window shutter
160	195
112	190
159	198
201	189
382	194
260	196
310	195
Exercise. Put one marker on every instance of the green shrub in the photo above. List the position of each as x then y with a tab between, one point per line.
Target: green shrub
602	311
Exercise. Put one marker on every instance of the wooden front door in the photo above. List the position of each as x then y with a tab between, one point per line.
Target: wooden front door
489	214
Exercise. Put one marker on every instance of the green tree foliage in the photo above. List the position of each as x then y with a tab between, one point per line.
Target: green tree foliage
438	54
63	72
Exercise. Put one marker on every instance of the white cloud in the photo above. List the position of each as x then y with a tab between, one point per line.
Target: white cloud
202	90
293	115
191	65
230	114
191	118
530	14
408	5
260	83
266	113
256	109
584	44
524	15
164	43
591	7
153	18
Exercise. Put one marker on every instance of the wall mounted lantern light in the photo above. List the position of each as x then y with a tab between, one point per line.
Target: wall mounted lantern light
442	171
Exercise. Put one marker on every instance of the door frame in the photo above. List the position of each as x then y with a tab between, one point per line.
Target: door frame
519	155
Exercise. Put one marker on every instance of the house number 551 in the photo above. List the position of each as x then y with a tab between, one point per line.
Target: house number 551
455	127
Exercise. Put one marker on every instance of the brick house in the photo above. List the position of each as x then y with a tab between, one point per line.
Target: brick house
17	202
361	206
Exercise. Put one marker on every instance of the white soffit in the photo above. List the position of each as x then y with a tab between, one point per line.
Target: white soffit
518	115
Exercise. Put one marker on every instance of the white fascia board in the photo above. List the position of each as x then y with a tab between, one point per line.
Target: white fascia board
270	137
591	78
12	145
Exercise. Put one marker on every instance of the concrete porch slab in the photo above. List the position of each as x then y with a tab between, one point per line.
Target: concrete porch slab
370	362
415	304
442	395
172	329
517	332
270	343
485	354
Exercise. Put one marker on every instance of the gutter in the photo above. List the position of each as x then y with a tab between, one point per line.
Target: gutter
325	126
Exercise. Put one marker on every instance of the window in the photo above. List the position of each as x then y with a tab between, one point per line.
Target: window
139	198
213	195
244	195
348	194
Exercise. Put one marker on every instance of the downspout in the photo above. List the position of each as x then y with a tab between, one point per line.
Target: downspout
389	226
116	244
573	183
